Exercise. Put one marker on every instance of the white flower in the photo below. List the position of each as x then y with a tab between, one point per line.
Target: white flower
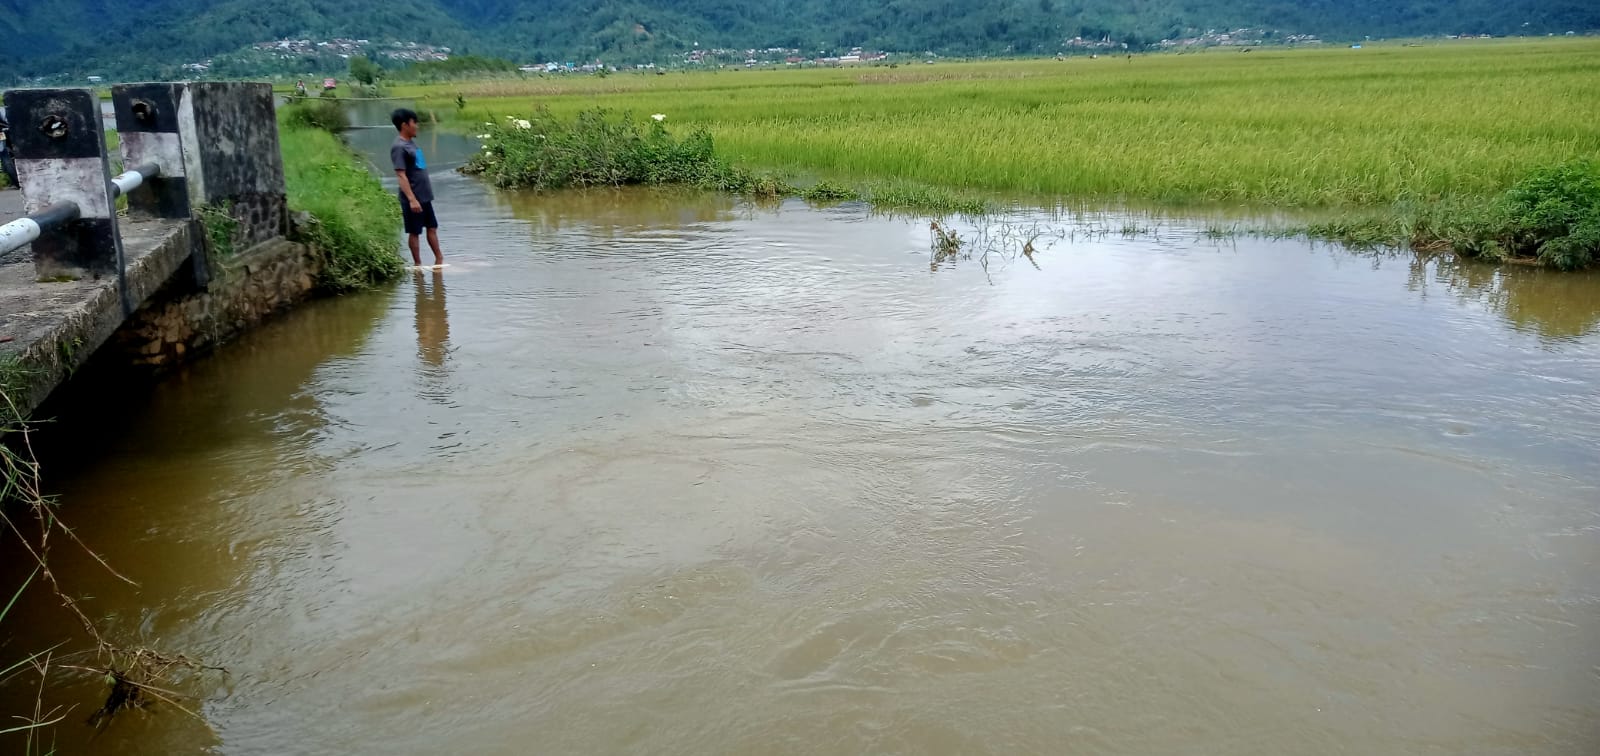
659	117
491	123
521	124
483	136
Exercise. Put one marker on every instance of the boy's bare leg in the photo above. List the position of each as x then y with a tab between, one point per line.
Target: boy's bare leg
416	248
433	244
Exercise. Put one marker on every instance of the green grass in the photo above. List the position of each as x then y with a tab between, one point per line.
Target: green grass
327	115
1288	128
1552	215
355	220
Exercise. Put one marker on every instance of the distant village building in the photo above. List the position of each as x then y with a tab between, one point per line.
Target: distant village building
288	49
751	57
1244	37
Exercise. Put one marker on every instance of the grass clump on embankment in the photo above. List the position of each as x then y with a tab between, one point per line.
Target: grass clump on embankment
354	218
327	115
1552	217
597	148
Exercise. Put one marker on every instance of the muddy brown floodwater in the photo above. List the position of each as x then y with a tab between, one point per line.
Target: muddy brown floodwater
659	473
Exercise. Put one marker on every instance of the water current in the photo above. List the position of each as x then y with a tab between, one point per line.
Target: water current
673	473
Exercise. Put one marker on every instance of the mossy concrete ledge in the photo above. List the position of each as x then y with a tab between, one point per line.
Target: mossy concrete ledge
201	250
49	328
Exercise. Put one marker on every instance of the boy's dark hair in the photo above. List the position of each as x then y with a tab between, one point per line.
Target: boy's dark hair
402	117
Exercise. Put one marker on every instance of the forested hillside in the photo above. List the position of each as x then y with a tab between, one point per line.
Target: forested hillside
136	36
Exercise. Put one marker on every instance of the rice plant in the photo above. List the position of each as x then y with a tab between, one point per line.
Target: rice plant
1290	128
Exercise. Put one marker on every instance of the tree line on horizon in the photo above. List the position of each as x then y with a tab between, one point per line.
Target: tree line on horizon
154	38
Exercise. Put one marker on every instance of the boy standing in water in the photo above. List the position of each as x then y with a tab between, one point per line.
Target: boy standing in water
416	191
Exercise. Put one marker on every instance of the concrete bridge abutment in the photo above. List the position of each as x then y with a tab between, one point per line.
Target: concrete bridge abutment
199	253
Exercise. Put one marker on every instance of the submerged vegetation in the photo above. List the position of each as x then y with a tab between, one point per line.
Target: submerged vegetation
353	219
1379	138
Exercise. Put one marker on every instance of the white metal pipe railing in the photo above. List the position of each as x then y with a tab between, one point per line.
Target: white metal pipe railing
128	181
24	231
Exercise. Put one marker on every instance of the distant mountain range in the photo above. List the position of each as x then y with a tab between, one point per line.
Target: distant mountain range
130	38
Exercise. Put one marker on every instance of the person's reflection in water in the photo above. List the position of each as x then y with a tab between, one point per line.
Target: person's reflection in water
433	333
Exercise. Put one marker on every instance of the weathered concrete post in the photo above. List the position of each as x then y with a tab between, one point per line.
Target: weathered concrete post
229	134
147	121
193	153
60	148
217	146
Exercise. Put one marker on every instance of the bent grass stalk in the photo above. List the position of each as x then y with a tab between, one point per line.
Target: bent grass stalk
127	669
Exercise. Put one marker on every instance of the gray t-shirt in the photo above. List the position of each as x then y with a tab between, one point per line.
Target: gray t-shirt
407	157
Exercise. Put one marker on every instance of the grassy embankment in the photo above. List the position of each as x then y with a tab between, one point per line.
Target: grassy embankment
355	219
1388	143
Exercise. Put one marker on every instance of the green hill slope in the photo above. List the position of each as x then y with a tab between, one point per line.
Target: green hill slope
117	36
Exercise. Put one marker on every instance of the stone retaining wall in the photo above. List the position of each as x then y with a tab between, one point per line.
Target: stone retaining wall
182	320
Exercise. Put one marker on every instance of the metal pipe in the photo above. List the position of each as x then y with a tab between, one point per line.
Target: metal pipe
24	231
131	180
18	233
57	215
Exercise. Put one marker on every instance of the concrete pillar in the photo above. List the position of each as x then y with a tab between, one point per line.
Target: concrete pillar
224	135
147	122
230	144
60	146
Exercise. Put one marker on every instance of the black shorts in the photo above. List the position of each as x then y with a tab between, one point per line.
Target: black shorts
415	222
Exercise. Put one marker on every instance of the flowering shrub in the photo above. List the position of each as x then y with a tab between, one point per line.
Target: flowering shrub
597	149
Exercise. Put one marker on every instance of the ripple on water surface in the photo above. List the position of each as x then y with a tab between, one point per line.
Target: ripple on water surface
667	473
